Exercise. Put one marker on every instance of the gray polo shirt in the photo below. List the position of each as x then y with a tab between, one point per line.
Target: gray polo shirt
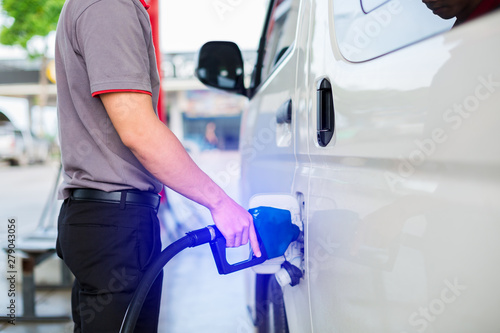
101	46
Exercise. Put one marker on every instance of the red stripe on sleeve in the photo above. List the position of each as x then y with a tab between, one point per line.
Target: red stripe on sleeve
97	93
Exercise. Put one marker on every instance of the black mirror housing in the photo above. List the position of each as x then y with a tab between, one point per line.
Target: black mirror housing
220	65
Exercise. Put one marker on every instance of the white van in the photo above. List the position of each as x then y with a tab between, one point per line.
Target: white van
382	123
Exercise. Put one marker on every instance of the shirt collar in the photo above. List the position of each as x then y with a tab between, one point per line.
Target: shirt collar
145	4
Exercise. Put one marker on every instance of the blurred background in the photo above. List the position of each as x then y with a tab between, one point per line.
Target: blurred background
195	297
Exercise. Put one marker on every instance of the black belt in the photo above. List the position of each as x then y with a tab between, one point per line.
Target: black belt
131	197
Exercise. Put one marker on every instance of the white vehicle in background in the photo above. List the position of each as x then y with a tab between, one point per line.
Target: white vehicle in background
19	147
382	123
12	148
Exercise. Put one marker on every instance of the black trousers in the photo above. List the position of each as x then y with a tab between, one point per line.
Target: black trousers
108	249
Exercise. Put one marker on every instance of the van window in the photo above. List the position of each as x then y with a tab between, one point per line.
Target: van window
280	34
366	29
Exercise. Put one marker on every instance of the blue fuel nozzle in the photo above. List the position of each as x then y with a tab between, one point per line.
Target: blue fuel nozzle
275	231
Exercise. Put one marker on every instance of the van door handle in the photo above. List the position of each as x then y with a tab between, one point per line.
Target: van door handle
284	113
325	113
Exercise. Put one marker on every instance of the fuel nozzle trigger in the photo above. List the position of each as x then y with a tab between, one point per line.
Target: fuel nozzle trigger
218	246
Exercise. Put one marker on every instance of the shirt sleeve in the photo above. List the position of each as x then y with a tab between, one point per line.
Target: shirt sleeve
113	43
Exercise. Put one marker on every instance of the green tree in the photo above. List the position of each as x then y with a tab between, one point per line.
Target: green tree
29	19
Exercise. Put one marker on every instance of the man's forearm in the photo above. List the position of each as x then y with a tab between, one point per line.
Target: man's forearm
164	156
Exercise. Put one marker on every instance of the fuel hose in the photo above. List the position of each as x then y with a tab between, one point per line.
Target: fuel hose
192	239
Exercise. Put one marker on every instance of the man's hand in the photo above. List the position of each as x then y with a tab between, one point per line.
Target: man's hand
235	224
162	154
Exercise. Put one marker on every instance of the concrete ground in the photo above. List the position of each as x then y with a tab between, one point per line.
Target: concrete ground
195	297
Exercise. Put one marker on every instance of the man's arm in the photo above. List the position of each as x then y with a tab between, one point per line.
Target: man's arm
161	153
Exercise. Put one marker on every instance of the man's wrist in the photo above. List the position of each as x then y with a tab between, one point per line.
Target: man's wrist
216	197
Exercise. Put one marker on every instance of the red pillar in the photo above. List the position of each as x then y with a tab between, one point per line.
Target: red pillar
154	17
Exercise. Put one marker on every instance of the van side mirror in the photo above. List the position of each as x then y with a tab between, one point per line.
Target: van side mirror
220	65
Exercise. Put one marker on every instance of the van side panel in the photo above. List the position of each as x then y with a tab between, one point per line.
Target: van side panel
403	206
